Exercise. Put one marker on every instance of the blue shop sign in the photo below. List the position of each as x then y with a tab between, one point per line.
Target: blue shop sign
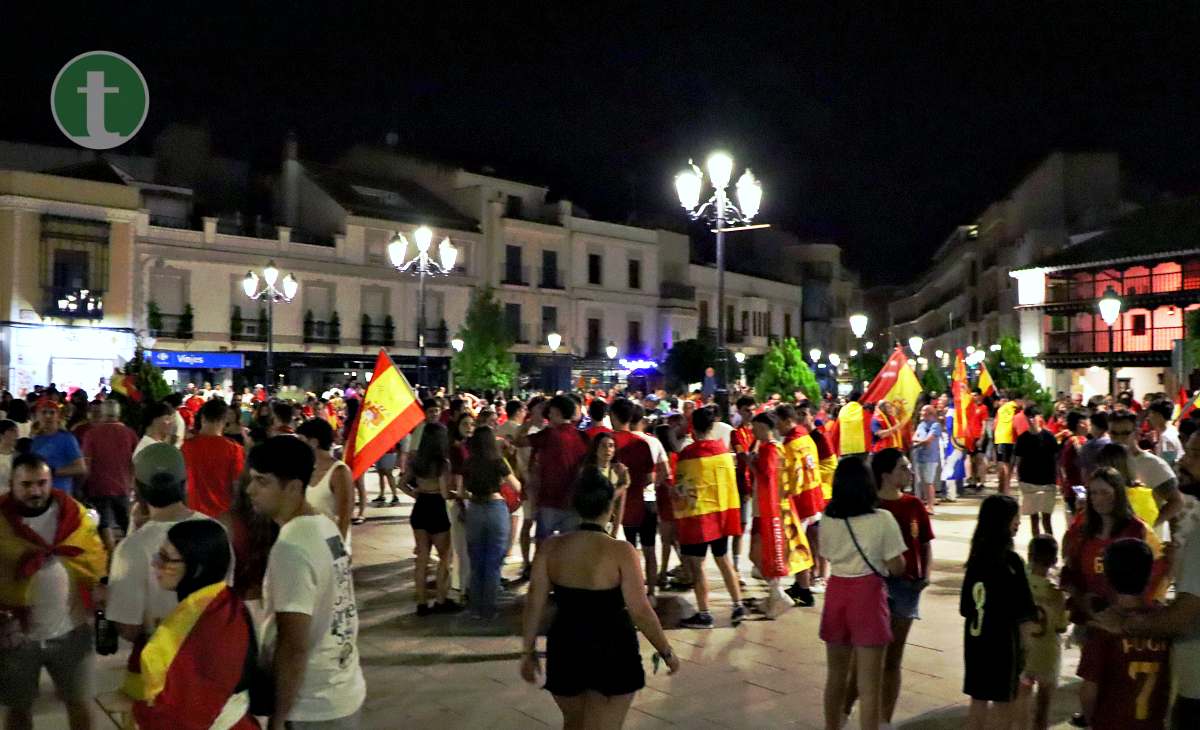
196	360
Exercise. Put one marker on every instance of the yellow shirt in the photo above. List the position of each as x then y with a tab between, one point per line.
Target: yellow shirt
1004	426
1045	650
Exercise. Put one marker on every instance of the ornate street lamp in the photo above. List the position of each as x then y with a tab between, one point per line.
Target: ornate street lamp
719	209
553	341
285	292
1110	312
422	264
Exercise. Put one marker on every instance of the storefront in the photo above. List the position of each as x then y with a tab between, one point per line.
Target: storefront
69	357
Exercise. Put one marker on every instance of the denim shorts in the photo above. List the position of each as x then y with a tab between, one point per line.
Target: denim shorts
928	472
904	595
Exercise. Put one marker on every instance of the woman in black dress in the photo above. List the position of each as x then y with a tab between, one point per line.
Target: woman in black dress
593	665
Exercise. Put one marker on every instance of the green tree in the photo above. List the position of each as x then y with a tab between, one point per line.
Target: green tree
933	380
485	361
148	386
784	371
687	360
1013	373
864	367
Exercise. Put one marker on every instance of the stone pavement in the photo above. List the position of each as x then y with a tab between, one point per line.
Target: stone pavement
453	672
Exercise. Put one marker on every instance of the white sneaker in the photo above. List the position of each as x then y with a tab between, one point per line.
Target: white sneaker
778	602
818	586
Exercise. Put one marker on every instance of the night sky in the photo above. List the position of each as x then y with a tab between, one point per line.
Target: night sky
878	128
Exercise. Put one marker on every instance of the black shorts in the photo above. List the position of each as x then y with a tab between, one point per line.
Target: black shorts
646	533
429	514
720	546
113	511
1004	453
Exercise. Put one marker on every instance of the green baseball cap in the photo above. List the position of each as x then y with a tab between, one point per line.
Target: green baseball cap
159	459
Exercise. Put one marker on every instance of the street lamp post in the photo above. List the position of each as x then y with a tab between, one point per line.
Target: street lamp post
1110	311
286	292
611	351
422	264
554	341
740	357
858	326
720	210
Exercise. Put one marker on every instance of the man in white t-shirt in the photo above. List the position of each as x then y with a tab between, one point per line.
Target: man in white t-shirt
135	601
1158	414
48	624
308	594
1148	469
159	427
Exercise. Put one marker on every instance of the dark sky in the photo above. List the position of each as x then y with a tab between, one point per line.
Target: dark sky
877	127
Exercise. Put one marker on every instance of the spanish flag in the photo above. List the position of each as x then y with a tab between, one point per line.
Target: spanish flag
851	432
897	384
960	390
23	552
390	410
1186	405
985	383
706	502
800	478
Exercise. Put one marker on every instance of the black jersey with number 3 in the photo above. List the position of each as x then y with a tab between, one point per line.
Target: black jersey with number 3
995	601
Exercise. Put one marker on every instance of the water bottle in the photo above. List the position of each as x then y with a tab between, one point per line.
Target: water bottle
106	631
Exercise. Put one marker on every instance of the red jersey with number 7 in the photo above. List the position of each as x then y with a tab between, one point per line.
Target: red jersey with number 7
1133	676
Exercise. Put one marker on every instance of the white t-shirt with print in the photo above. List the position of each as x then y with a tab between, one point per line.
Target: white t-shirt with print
308	572
55	609
134	596
878	535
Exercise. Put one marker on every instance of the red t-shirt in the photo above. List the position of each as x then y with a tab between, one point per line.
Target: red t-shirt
559	450
1134	679
597	428
635	454
742	440
911	515
214	464
108	448
977	413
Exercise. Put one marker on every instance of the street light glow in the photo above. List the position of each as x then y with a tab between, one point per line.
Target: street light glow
687	186
740	357
270	274
749	193
611	350
457	344
870	345
814	354
398	250
448	255
720	169
249	284
858	324
835	359
1110	306
553	341
424	236
290	287
854	353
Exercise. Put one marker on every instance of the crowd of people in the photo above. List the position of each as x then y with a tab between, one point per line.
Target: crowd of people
232	515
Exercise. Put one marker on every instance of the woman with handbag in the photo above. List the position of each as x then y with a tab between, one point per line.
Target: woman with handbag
863	545
493	490
197	667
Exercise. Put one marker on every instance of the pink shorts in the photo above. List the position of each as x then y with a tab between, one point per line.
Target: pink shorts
856	612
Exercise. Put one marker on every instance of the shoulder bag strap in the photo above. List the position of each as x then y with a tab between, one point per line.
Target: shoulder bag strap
860	550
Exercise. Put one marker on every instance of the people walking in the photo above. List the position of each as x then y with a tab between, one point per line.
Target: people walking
487	478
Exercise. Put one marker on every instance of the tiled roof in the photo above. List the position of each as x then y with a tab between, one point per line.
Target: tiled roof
386	198
1156	231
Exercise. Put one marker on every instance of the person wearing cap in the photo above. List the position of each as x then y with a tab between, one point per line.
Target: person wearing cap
136	603
57	446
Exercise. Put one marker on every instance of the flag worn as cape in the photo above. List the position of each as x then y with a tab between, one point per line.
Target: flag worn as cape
897	384
706	502
389	411
800	478
772	557
23	552
851	432
192	664
960	391
1187	406
985	383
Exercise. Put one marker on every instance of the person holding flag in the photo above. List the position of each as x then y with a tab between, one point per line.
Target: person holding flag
768	544
707	514
389	411
801	497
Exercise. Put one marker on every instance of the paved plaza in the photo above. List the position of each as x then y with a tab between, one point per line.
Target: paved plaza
451	672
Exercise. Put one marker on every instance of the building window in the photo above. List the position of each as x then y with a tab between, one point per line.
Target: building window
1139	324
787	324
594	345
728	320
703	314
635	274
512	265
512	321
512	206
74	260
549	320
595	270
634	346
745	322
549	278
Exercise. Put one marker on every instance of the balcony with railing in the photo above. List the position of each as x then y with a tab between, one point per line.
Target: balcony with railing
515	275
1130	340
518	333
438	336
253	329
170	326
74	303
675	290
378	334
551	278
322	332
1167	283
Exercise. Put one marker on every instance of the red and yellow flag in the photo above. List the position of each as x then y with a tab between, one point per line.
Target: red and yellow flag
1186	405
706	502
390	410
23	552
851	432
897	384
960	390
985	383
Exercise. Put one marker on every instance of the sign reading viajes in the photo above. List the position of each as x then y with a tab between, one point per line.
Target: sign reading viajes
99	100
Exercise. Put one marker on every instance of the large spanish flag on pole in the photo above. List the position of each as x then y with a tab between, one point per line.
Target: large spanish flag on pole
960	390
897	384
707	506
389	412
